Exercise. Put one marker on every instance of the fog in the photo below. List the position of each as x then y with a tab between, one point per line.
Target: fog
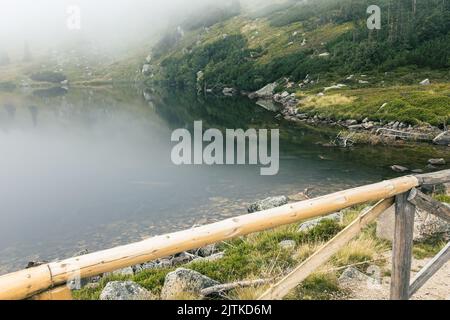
45	24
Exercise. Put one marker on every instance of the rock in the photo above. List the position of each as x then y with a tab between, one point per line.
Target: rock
182	258
125	290
425	82
207	251
321	94
324	55
146	69
437	162
287	244
425	225
400	169
311	224
65	82
337	86
351	122
352	274
268	105
265	92
184	281
211	258
229	91
267	204
417	171
33	264
285	94
368	125
122	272
443	138
356	127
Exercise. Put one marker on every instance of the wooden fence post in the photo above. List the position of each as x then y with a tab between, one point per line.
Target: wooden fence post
402	247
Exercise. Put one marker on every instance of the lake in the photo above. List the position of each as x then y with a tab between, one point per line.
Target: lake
91	168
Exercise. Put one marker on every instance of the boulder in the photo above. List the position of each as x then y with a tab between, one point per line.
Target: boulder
437	162
287	244
125	290
146	69
425	225
443	139
308	225
206	251
266	92
425	82
268	203
352	274
184	281
211	258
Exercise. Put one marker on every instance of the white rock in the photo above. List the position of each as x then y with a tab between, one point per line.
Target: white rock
125	290
425	82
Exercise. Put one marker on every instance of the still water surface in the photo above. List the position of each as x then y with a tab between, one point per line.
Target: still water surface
91	169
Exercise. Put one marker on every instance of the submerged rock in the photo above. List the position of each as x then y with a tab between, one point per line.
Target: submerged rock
269	203
400	169
125	290
184	281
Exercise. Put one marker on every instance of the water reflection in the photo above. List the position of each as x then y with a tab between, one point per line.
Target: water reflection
91	168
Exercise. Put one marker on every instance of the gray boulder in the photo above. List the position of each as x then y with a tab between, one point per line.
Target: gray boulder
125	290
437	162
425	226
265	92
308	225
352	274
443	138
269	203
287	244
184	281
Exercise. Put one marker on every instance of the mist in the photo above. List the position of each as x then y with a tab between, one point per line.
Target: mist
45	24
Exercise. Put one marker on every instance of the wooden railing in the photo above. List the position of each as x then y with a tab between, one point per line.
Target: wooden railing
49	281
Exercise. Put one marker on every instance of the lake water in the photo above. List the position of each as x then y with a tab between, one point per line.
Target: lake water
91	169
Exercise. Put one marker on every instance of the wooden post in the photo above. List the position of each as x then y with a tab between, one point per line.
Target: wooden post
402	247
26	283
60	293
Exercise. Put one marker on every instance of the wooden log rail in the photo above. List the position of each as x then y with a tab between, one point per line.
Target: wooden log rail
31	282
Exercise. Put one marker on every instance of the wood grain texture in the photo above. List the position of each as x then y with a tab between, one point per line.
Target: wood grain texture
402	247
428	204
14	286
430	270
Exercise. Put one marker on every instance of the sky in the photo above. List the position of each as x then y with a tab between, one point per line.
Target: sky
41	22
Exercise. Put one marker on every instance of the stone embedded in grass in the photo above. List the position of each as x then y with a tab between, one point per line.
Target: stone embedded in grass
269	203
425	82
125	290
437	162
183	281
287	244
352	274
308	225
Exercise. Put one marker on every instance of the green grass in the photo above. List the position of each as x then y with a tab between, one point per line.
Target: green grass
260	256
409	104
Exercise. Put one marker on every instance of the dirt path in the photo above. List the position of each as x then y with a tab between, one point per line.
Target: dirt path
437	288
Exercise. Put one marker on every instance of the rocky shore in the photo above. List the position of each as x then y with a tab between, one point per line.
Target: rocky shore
368	131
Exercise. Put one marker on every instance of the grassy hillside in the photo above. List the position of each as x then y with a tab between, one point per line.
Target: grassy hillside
324	38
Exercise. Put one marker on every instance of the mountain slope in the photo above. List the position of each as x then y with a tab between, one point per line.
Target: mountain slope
326	39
